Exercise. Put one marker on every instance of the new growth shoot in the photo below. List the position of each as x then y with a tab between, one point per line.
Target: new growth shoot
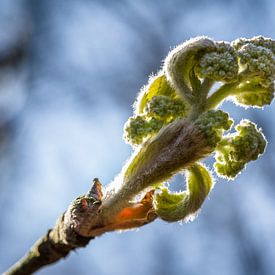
180	92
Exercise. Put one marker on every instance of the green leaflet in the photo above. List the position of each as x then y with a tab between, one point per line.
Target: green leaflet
158	85
138	128
213	123
254	94
166	108
236	150
220	65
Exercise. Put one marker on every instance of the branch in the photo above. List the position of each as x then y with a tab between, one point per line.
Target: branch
177	146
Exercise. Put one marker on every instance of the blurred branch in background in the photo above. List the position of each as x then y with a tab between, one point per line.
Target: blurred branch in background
14	42
14	54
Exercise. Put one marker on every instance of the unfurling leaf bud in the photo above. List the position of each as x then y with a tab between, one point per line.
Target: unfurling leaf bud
213	124
236	150
181	61
166	107
173	207
220	65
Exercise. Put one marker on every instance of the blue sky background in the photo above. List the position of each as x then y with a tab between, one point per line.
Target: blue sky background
63	103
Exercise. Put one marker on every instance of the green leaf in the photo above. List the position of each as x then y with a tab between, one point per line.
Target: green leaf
254	94
158	85
237	149
184	205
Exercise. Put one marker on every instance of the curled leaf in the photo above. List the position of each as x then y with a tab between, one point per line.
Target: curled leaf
181	61
184	205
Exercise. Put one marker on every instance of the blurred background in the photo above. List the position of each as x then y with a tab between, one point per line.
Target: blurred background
69	73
